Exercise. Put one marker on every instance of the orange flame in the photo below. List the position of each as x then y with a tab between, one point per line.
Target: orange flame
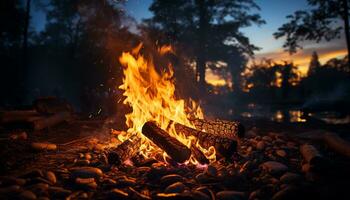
152	98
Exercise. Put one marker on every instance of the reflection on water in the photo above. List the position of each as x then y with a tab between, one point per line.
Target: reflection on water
296	116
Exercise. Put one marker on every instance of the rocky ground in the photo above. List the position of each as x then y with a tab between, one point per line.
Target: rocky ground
267	165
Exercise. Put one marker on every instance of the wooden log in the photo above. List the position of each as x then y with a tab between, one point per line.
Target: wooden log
126	150
199	155
310	154
228	129
17	115
332	140
174	148
223	146
52	105
50	121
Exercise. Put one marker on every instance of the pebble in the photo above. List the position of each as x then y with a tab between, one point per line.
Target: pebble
33	173
171	178
10	189
9	180
212	171
274	167
260	145
50	176
281	153
43	146
86	172
289	177
86	183
289	192
59	192
27	195
82	162
267	138
177	187
230	195
39	188
118	194
198	195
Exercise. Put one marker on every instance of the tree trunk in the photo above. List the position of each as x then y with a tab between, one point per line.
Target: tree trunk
346	27
25	39
202	40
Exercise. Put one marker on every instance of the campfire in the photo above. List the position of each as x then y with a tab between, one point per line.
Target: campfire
161	124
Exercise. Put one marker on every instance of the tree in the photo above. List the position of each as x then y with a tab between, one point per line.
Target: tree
206	27
319	23
314	63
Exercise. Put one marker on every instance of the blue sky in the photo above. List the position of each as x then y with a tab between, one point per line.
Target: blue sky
274	12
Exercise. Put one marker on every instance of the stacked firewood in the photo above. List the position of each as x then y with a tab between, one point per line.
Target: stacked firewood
220	134
46	112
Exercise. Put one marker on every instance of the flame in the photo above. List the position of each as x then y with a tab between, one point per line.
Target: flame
151	95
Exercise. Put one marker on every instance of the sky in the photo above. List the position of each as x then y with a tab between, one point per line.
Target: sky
274	12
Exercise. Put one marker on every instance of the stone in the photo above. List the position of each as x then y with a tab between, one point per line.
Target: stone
267	138
51	177
274	168
230	195
82	162
177	187
33	173
59	192
281	153
27	195
39	188
86	183
198	195
10	189
212	171
126	181
9	180
171	178
260	145
289	178
289	192
86	172
43	146
118	194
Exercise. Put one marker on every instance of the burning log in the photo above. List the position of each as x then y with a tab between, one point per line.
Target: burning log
224	146
198	155
227	129
124	151
174	148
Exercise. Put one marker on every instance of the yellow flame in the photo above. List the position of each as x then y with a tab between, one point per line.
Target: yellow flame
151	96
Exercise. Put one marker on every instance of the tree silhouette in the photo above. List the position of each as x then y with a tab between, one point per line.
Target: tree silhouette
318	23
206	27
314	63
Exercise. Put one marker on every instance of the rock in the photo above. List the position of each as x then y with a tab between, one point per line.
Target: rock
198	195
289	192
171	196
86	172
126	181
281	153
211	171
306	168
230	195
204	178
27	195
88	156
274	168
177	187
51	177
10	189
33	173
43	146
86	183
9	180
39	188
289	178
118	194
267	138
82	162
59	192
171	178
260	145
137	195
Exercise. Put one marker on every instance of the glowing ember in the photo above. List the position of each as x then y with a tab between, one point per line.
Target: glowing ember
151	97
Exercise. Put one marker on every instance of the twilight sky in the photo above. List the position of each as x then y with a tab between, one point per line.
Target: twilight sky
274	12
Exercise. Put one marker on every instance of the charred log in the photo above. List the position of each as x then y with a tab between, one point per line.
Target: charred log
198	155
228	129
174	148
124	151
224	146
